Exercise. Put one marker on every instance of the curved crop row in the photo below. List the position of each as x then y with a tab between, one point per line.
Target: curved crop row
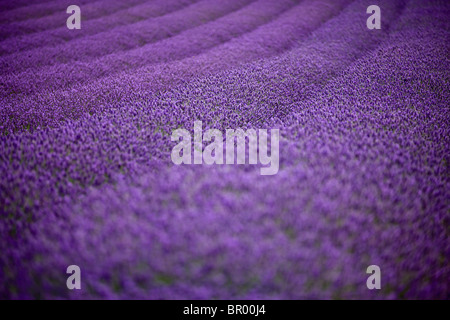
237	98
19	10
363	177
118	40
54	16
29	112
90	27
174	48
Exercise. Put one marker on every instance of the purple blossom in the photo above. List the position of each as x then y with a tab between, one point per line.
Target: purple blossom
87	177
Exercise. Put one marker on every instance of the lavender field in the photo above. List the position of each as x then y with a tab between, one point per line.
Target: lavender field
86	118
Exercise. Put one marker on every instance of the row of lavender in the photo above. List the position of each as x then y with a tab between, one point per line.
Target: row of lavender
95	20
243	100
45	16
175	47
363	179
50	106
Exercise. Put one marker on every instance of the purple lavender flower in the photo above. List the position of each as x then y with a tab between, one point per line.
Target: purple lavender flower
85	144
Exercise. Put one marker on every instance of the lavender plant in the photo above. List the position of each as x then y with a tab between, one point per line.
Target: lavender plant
87	176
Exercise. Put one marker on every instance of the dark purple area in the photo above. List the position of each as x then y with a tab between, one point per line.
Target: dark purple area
86	118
